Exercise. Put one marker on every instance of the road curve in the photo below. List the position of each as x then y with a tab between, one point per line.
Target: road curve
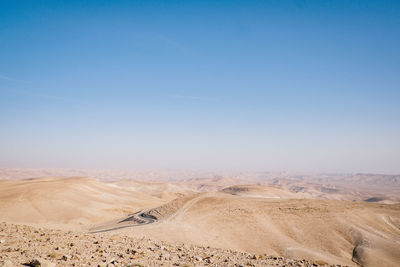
136	219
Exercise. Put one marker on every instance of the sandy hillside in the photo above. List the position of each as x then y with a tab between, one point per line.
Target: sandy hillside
217	212
70	202
326	230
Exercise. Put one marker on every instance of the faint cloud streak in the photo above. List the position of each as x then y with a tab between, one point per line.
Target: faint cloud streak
35	94
7	78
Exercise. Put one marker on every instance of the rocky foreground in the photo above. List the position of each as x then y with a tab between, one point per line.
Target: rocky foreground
22	245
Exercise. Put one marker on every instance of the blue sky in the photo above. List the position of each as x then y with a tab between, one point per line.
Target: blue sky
230	85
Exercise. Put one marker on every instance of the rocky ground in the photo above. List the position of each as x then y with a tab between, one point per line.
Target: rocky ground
22	245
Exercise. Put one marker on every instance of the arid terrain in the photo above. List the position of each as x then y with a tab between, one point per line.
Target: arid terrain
65	217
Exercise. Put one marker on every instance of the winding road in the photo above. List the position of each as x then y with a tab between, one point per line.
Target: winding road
136	219
144	217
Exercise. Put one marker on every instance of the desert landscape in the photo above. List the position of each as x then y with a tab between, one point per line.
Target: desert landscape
258	219
199	133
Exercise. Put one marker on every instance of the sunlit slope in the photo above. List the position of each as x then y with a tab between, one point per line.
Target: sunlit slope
68	201
254	218
326	230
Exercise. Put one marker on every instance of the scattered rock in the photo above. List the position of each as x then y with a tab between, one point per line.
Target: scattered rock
103	250
33	263
64	258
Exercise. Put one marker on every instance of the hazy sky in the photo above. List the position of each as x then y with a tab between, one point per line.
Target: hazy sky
232	85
